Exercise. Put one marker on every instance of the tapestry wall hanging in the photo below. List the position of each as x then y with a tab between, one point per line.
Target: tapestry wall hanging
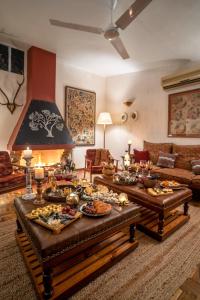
184	114
80	115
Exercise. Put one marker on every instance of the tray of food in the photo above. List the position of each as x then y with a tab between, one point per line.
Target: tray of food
96	208
172	184
121	179
159	191
60	193
54	217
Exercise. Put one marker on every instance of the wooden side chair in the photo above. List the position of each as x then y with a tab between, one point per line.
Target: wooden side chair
94	159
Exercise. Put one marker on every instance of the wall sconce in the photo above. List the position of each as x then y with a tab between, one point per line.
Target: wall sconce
129	102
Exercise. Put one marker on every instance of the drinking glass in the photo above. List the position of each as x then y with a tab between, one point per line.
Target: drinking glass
142	166
149	167
137	167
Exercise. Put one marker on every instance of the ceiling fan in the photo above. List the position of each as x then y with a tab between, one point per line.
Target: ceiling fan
112	32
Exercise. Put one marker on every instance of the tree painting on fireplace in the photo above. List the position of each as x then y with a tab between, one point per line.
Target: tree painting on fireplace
80	115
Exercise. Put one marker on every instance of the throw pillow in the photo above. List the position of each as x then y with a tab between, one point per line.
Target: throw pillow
196	166
155	148
166	160
141	155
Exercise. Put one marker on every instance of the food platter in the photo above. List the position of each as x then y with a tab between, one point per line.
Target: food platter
60	194
123	179
172	184
54	217
159	192
86	213
124	182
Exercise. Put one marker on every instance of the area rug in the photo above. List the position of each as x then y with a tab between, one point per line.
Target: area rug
153	271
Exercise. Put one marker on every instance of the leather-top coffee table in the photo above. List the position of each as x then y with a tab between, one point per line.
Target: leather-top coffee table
158	215
60	264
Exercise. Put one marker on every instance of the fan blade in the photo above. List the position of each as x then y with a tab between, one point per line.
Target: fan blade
131	13
4	33
118	45
76	26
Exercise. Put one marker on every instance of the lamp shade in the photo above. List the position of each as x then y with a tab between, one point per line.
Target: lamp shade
104	118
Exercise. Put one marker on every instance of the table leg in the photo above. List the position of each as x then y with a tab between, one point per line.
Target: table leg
161	223
132	233
47	282
186	208
19	227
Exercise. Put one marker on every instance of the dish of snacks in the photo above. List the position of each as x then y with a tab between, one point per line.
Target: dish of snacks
170	184
109	196
124	178
90	189
54	217
91	192
96	208
159	192
61	192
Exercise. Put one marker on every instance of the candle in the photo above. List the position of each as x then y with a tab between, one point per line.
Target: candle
127	162
127	156
27	153
39	173
84	182
129	142
50	173
123	198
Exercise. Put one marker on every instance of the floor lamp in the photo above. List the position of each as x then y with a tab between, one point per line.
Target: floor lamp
104	119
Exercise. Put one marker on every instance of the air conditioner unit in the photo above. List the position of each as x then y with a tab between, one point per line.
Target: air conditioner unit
181	79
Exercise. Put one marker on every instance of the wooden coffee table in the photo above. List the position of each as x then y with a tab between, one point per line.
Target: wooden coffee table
61	264
159	215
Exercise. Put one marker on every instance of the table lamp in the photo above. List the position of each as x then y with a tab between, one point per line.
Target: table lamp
104	119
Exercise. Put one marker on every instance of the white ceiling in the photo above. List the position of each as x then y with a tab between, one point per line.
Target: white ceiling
165	31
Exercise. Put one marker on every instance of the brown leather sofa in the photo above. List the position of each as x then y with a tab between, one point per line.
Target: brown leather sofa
183	170
10	178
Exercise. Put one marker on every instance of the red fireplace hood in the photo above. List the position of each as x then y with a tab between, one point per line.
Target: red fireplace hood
40	125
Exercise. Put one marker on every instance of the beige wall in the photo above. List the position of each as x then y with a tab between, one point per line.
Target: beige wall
151	102
8	83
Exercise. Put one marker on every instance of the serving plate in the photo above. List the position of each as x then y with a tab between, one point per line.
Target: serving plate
125	182
92	215
178	186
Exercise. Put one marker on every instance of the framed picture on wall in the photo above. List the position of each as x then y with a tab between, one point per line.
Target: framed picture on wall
184	114
80	110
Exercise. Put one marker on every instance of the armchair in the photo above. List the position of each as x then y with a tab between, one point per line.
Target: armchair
94	159
10	178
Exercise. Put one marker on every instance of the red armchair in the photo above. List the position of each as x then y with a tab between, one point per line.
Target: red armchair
9	179
94	159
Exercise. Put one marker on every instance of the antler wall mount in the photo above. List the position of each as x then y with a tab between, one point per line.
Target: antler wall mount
11	104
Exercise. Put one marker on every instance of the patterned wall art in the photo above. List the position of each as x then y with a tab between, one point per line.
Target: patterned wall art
184	114
80	108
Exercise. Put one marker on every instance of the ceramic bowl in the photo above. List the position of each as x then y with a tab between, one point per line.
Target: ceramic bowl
149	182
